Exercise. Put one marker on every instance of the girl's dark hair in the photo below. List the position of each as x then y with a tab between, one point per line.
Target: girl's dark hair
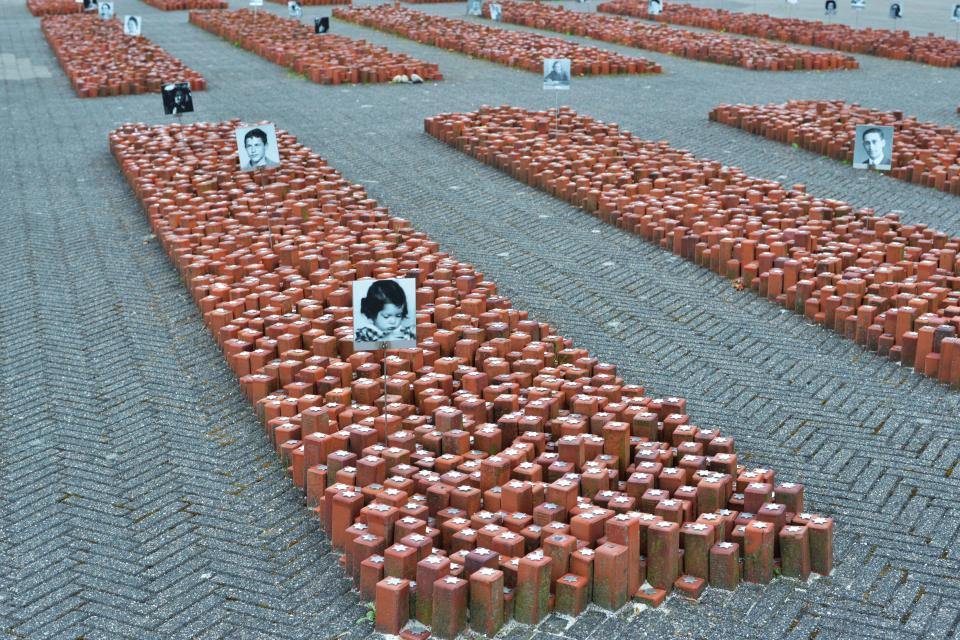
379	294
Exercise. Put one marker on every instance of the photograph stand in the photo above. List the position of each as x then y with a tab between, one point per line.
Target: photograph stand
556	114
386	378
180	137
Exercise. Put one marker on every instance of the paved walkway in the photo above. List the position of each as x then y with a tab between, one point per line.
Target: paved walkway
139	498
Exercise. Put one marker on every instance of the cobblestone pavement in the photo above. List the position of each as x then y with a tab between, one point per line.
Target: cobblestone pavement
139	498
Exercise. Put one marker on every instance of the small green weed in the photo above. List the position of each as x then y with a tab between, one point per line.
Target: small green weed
370	615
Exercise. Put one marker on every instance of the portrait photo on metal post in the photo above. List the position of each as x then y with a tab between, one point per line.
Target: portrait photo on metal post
177	98
131	25
895	11
89	5
873	147
655	7
496	11
955	13
474	7
858	4
294	10
257	147
384	313
830	7
105	9
556	73
321	25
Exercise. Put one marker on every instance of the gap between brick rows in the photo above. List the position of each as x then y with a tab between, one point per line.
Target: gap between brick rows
891	287
505	471
100	60
520	49
924	153
325	59
897	45
759	55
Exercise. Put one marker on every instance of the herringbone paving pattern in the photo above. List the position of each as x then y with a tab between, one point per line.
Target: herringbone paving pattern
139	498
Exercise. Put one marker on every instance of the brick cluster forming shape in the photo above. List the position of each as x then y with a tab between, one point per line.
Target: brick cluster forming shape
53	7
494	465
101	60
512	48
924	153
183	5
892	287
758	55
322	58
896	45
315	3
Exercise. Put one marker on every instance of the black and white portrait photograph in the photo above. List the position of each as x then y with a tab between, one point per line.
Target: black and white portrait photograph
177	98
830	7
294	10
131	25
955	14
654	7
556	73
384	313
474	7
321	25
89	5
873	147
105	10
858	4
257	147
496	11
256	3
895	11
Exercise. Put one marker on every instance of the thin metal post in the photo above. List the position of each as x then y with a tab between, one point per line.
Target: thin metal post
383	345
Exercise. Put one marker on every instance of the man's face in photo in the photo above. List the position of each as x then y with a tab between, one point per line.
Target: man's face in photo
874	143
556	67
178	98
255	148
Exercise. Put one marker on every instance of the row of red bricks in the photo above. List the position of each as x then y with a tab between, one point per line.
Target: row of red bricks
494	471
924	153
182	5
898	45
316	3
708	47
100	60
325	59
889	286
512	48
53	7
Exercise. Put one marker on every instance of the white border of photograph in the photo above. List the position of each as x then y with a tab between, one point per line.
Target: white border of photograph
408	287
271	151
126	24
860	156
562	80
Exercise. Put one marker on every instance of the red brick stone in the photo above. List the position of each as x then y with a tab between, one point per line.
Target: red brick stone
393	605
486	601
